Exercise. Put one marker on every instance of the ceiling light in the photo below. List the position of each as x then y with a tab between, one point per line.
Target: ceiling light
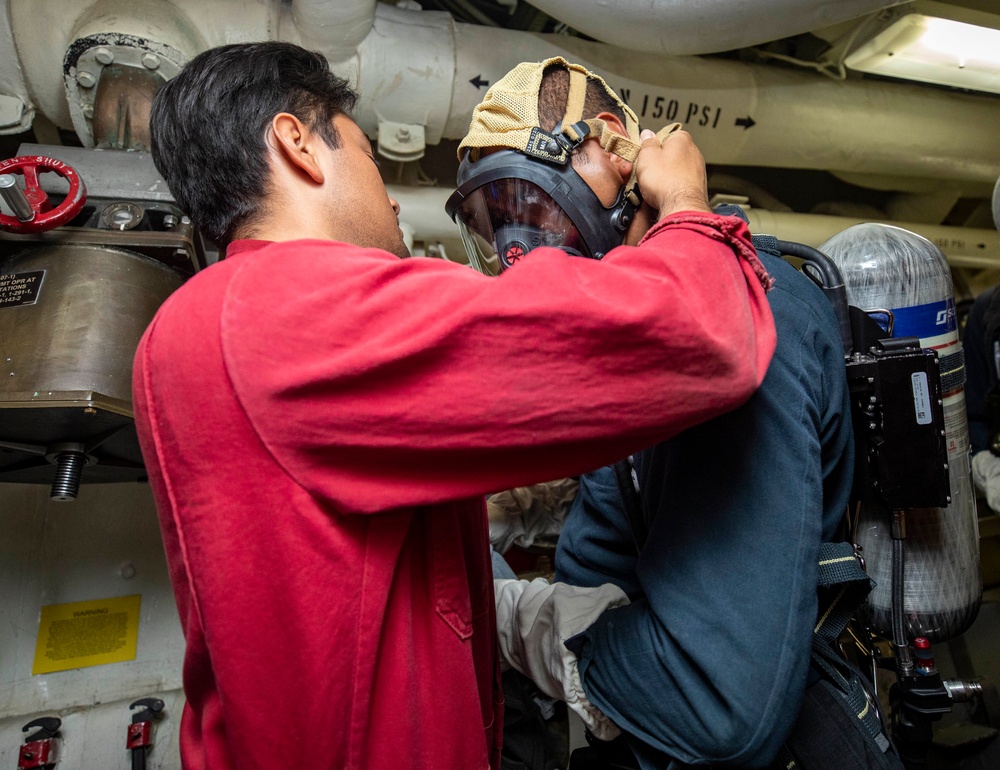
933	50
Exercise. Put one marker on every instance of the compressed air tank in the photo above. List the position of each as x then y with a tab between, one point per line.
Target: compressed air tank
889	268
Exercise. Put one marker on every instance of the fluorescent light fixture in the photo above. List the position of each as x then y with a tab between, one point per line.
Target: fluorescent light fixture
933	50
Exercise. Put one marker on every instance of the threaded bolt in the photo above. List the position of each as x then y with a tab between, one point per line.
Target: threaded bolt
69	469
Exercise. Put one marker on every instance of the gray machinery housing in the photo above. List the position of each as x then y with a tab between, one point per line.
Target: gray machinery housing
68	335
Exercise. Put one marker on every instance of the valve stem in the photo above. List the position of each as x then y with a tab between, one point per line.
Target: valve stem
16	198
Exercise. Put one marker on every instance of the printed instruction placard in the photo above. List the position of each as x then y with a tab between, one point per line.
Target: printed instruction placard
20	288
82	634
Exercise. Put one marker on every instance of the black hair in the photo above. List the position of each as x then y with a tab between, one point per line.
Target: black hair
209	124
554	93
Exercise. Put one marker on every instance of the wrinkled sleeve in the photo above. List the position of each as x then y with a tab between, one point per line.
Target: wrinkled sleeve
596	544
379	383
709	665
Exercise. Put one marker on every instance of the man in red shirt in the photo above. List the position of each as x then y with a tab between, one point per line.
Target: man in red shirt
320	416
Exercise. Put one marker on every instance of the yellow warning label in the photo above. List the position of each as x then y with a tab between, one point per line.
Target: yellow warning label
84	634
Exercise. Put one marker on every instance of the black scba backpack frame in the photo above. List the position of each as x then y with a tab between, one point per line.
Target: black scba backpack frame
902	464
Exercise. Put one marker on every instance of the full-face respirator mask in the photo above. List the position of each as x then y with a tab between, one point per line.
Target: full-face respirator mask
525	193
510	202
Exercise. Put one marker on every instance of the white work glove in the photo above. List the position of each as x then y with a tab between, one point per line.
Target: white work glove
524	515
986	475
534	619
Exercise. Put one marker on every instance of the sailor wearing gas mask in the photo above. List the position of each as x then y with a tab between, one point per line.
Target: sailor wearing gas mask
698	648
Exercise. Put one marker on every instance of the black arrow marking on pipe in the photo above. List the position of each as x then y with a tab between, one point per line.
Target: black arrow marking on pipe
478	82
746	122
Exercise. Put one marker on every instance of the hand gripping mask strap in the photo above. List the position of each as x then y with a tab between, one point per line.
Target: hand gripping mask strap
629	199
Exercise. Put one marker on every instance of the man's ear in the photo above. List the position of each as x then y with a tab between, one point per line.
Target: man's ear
296	145
614	123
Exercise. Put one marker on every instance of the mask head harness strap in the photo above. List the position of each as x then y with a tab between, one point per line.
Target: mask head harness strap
629	198
575	130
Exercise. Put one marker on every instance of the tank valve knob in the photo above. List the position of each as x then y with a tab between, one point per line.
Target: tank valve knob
925	658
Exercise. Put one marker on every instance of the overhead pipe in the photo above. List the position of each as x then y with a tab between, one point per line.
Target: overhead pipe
407	73
335	29
688	27
964	247
16	109
44	30
422	209
739	114
422	69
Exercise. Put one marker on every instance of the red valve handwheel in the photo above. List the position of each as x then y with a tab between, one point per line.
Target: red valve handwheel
46	217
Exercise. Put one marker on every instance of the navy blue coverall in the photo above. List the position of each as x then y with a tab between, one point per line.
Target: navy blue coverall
709	662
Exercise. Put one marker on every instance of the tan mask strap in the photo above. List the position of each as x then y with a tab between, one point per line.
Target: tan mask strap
666	131
613	142
621	146
661	135
575	98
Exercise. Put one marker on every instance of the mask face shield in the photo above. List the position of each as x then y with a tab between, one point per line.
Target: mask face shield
503	220
508	203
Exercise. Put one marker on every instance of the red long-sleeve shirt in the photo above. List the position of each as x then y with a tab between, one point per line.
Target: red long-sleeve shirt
320	422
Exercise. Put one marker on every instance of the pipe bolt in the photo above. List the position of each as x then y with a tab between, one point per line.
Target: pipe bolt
86	79
403	134
104	55
150	61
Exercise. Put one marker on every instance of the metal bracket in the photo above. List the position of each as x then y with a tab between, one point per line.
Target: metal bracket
401	141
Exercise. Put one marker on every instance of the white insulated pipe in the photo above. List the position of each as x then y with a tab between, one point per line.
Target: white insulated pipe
407	72
16	109
335	28
420	67
422	209
686	27
967	247
44	29
755	114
